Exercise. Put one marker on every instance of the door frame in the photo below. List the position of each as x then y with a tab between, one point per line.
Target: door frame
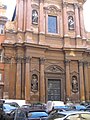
57	77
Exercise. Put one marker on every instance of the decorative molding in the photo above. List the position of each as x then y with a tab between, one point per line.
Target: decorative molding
42	60
19	59
7	59
53	10
67	62
80	62
27	59
54	69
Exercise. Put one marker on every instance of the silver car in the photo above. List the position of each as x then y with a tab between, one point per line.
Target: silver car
69	115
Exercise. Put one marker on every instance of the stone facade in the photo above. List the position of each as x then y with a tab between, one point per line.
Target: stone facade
42	66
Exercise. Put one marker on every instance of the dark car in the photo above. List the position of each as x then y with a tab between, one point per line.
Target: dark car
29	114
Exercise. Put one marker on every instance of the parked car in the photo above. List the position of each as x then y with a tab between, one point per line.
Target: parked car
14	104
7	108
29	114
69	115
79	107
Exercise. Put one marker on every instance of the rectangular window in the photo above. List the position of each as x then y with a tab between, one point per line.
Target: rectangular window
52	24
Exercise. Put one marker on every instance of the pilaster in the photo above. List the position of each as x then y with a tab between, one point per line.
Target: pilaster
18	78
42	80
27	78
77	25
68	83
86	81
28	15
82	22
82	88
20	15
65	19
41	26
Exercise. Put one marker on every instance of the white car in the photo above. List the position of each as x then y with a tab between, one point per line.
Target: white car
69	115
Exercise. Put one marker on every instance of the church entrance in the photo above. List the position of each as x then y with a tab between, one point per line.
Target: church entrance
54	89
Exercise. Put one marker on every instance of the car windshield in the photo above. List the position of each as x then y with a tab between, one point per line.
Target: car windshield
55	116
37	114
8	107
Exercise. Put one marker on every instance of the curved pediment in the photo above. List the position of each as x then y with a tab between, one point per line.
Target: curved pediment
54	69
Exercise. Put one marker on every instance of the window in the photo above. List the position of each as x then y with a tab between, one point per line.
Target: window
52	24
1	29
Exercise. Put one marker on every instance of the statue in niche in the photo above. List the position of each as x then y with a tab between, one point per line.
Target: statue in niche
34	17
34	83
71	23
74	84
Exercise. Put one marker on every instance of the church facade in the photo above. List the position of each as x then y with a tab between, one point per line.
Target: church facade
47	52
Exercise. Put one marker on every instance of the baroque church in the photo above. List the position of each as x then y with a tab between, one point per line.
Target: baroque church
46	52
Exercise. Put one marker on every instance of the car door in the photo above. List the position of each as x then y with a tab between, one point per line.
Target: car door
20	115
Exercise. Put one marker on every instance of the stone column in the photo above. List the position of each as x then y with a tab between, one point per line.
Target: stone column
20	15
77	27
18	78
65	21
42	81
27	79
28	15
68	82
82	89
82	23
86	81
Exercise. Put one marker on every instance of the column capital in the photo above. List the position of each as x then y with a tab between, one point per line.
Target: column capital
80	7
42	60
27	59
7	59
81	62
19	59
67	62
65	4
86	63
76	5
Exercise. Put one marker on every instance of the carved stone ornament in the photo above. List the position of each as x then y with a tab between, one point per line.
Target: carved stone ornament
27	59
54	69
19	59
70	22
7	59
53	10
34	83
74	84
10	26
34	17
